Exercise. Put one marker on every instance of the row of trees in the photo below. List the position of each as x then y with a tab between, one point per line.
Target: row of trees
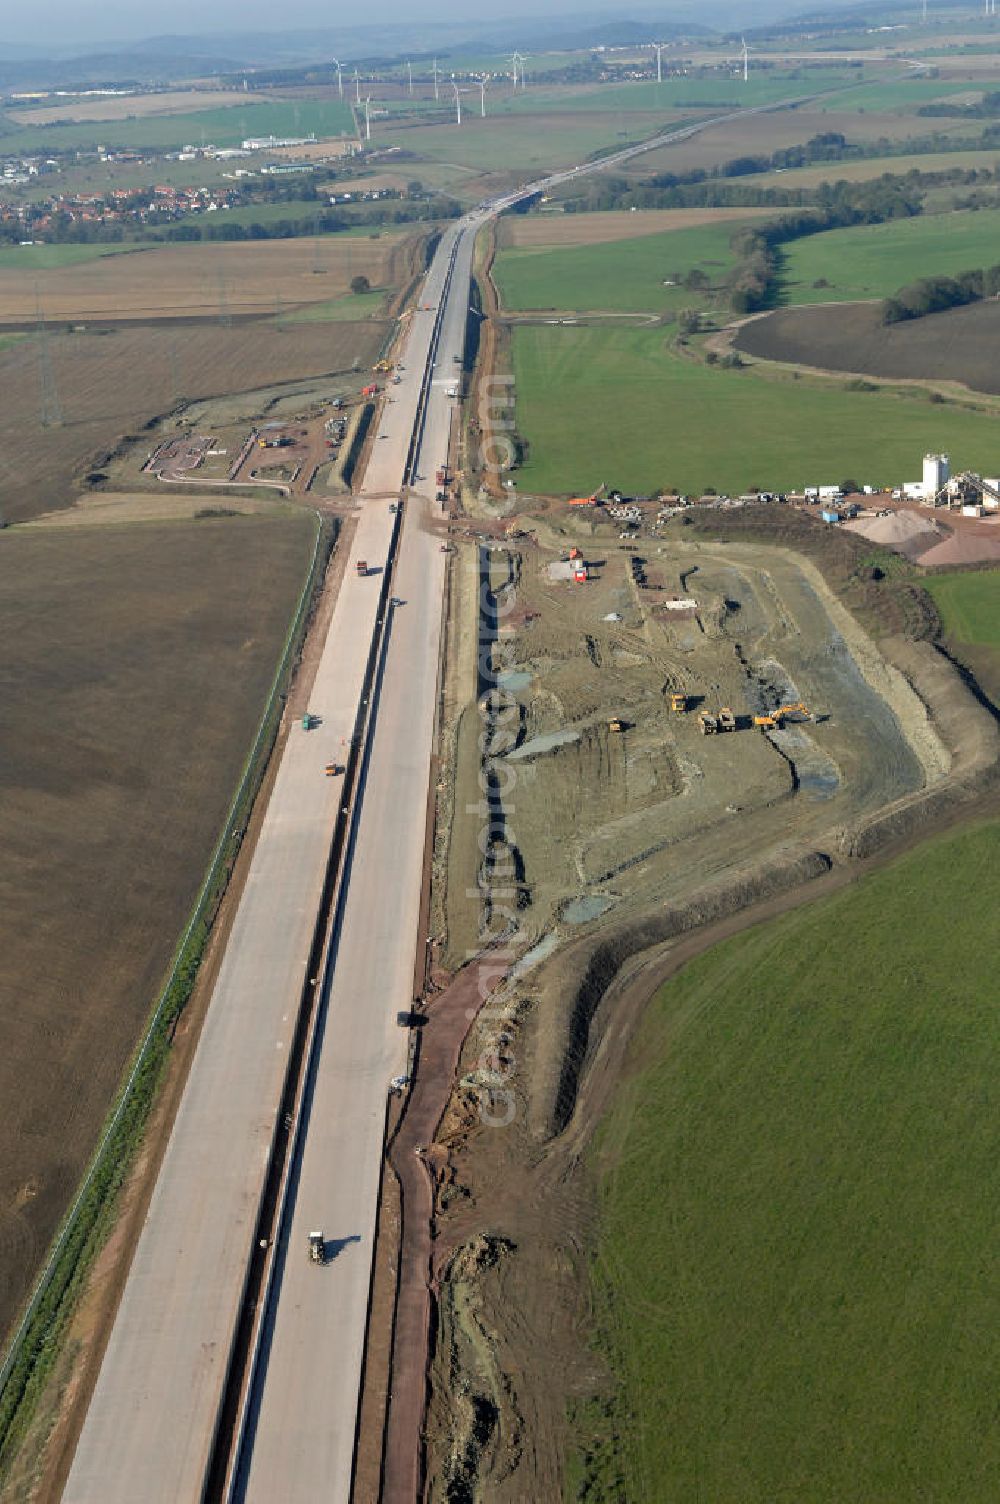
757	247
933	294
987	109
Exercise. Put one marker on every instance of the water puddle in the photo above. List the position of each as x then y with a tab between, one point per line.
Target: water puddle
546	743
582	910
534	956
515	679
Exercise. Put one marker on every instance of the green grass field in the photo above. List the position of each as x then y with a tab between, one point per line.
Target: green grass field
224	126
969	606
615	405
707	91
798	1192
47	258
521	141
345	310
905	95
623	274
873	261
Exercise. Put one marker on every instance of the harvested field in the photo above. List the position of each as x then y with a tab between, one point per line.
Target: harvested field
136	666
957	345
103	509
110	383
207	280
129	107
531	230
876	167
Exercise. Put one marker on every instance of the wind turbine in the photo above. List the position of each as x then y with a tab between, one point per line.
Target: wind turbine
515	58
482	96
746	57
658	49
368	118
340	76
409	71
522	58
458	103
357	87
437	73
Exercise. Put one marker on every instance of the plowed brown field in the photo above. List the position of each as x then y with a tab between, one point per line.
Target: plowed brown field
205	279
109	384
958	345
136	666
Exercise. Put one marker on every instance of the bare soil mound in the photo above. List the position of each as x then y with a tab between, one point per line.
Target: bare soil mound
958	345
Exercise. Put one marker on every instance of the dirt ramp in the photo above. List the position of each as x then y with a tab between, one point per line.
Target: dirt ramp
563	1041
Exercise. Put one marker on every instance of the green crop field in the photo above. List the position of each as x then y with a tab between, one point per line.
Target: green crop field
798	1191
522	141
872	261
351	307
621	274
45	258
969	606
227	125
905	95
726	90
615	404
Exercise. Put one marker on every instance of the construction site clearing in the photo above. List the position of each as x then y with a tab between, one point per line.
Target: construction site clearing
638	752
298	443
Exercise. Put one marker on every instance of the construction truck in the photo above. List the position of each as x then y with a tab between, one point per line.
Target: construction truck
766	722
616	724
708	723
309	721
317	1248
370	391
678	703
727	720
362	567
333	769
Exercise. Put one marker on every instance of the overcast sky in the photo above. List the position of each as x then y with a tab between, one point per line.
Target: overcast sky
52	24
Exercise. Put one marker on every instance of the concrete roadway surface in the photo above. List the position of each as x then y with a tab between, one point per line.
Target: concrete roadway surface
150	1426
303	1414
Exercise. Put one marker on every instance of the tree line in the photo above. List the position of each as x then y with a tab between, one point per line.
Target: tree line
934	294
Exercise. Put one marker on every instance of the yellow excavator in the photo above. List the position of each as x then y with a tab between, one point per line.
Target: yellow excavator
678	702
776	718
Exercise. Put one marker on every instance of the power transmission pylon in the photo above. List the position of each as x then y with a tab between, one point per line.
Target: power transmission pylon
50	411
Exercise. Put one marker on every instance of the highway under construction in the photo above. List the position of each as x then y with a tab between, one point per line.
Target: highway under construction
234	1365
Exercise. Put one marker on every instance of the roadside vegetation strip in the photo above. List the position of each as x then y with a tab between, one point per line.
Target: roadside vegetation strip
796	1202
35	1343
600	404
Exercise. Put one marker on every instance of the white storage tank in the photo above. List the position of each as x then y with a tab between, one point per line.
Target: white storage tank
936	472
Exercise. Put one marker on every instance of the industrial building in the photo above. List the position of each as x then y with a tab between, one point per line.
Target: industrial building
969	492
